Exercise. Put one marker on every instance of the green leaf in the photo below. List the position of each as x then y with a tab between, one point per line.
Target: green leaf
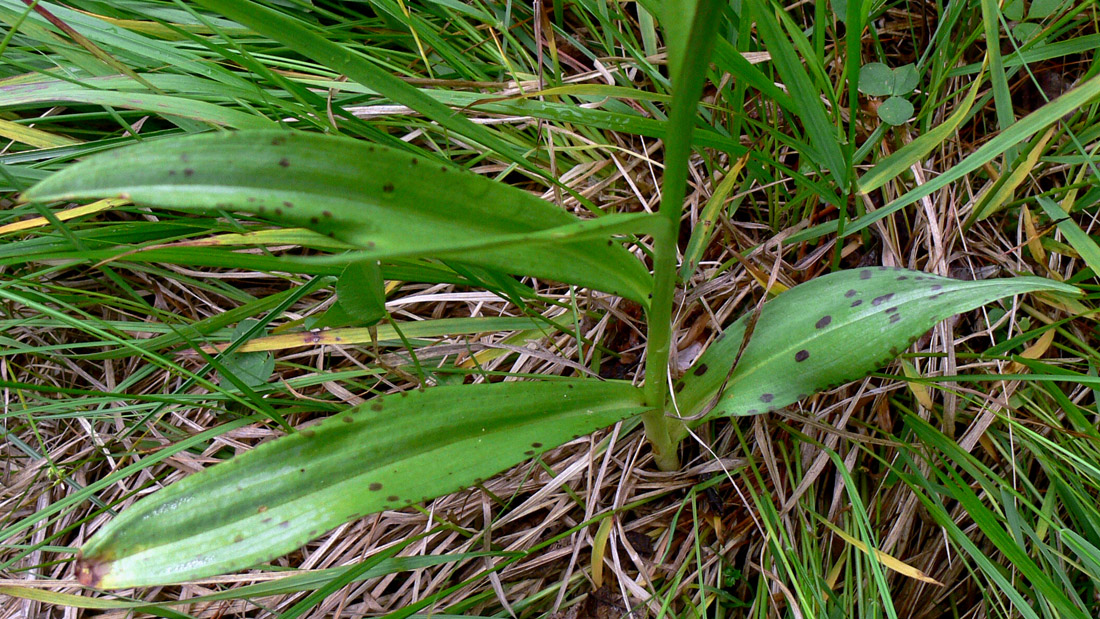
905	80
389	453
895	111
1021	130
824	136
361	292
831	330
876	80
1042	9
61	91
1078	238
907	155
1013	10
387	202
1025	31
296	35
251	368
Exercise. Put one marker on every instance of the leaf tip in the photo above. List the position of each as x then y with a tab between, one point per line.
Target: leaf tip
91	570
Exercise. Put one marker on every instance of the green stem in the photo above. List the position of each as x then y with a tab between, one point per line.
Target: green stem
688	77
658	425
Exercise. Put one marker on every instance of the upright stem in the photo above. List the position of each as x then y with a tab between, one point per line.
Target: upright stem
688	77
658	426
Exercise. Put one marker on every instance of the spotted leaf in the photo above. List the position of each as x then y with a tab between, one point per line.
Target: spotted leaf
386	203
390	453
829	331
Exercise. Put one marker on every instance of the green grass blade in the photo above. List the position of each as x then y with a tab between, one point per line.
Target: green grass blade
911	153
60	91
1075	236
296	35
824	136
1020	131
387	202
392	452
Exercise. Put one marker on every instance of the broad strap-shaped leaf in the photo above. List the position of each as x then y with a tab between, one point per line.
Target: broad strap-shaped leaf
389	453
831	330
387	202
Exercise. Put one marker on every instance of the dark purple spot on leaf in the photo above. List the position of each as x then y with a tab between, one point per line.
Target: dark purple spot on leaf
865	275
374	487
326	213
902	278
851	293
895	318
702	369
767	397
857	302
678	388
891	310
314	220
284	163
823	321
882	299
288	204
802	355
279	141
348	419
188	172
536	444
529	452
376	407
936	287
393	498
387	188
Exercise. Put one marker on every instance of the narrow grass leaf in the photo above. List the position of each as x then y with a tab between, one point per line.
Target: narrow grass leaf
386	202
1019	131
1078	238
60	91
902	159
889	561
708	218
389	453
1006	187
65	215
824	136
33	137
296	35
831	330
387	333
